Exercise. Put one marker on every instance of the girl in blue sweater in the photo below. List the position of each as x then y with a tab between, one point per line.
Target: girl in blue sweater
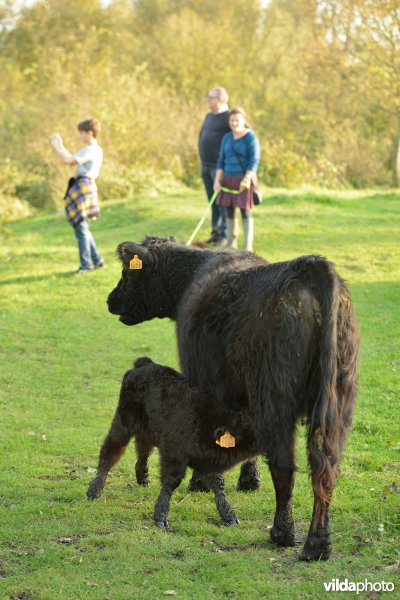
237	170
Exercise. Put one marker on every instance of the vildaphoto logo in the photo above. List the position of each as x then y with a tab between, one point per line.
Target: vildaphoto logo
337	585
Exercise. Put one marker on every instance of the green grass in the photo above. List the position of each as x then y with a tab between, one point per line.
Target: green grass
62	357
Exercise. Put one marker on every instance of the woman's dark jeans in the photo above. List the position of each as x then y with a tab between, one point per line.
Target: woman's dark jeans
218	218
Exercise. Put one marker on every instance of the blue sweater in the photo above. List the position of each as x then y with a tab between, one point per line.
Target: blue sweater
246	147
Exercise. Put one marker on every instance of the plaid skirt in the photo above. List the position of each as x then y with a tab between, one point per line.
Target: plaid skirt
242	200
81	201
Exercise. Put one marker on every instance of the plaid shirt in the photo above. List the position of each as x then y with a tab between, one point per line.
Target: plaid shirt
81	202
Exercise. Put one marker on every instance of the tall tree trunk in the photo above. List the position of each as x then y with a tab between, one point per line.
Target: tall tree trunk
396	156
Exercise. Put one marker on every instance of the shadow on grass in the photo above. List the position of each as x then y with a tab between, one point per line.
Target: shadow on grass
295	198
329	198
377	293
38	278
112	216
115	218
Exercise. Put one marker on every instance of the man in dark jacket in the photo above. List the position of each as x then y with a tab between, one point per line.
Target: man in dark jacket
215	126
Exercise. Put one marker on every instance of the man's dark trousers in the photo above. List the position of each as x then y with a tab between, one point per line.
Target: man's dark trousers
218	218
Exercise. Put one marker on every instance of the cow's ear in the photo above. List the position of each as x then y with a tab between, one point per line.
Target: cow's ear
128	250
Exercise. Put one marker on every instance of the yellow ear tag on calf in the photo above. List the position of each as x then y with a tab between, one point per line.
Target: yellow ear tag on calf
226	441
136	263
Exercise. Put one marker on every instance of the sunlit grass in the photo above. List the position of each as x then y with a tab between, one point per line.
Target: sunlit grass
62	358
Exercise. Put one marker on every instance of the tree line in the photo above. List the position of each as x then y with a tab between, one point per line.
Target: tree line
319	80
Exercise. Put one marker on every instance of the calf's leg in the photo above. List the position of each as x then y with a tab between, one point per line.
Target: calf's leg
217	485
172	473
197	483
111	451
143	451
249	478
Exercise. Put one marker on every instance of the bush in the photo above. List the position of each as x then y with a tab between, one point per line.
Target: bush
22	190
17	182
11	207
282	167
35	190
121	182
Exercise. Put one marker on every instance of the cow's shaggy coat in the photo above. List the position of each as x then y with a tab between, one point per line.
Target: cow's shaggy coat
279	339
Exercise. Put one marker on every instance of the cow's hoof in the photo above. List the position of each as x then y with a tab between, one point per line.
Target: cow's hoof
248	485
282	537
94	491
317	548
197	485
232	521
162	524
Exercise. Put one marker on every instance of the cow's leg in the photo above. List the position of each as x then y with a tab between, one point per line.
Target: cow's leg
217	485
318	545
324	469
111	451
143	451
327	434
172	473
249	476
282	467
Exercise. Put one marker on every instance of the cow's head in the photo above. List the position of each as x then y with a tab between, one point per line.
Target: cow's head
142	293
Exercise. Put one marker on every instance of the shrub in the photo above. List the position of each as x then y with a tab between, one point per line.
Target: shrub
282	167
121	182
35	189
11	207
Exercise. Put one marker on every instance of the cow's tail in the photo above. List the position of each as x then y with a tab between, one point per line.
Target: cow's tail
325	435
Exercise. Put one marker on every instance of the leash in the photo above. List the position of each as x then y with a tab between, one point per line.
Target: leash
205	213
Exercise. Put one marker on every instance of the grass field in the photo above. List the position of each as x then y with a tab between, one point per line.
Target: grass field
62	357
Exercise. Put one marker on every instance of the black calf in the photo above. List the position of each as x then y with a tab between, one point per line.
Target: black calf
157	408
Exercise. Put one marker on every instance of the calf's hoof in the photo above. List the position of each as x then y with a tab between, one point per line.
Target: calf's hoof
317	548
232	521
162	523
196	484
143	481
282	537
94	490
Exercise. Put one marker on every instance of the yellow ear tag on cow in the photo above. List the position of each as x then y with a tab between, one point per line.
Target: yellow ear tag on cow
136	263
226	441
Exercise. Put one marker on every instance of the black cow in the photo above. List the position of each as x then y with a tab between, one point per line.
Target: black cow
280	339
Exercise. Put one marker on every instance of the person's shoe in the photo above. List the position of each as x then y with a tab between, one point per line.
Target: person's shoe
221	242
213	239
99	265
81	271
